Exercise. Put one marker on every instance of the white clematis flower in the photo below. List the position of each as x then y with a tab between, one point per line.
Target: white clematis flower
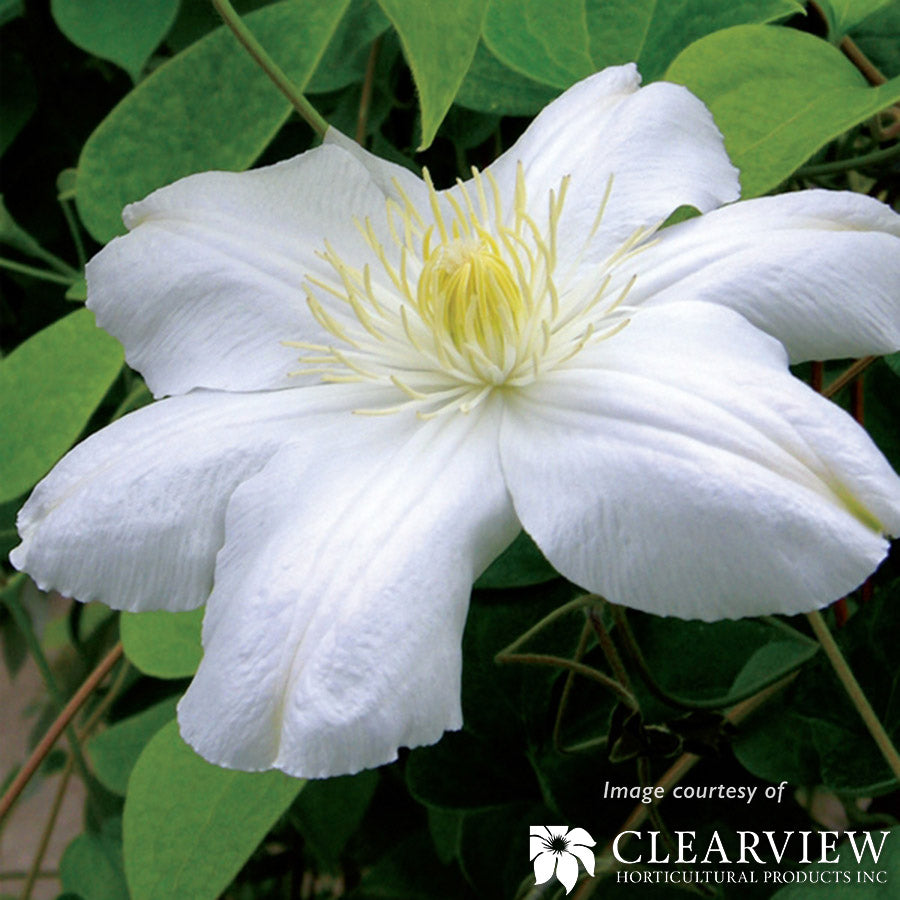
375	385
555	850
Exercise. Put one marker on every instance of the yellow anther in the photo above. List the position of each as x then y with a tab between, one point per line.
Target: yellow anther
462	297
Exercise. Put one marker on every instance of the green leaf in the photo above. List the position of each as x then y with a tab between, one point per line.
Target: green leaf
11	9
777	95
520	564
18	99
864	874
492	845
14	235
829	744
190	826
49	387
78	291
330	810
439	40
410	870
92	865
559	43
654	32
163	644
124	33
345	58
547	42
718	652
65	184
491	87
115	751
462	771
879	38
501	701
771	662
444	826
893	361
842	15
210	107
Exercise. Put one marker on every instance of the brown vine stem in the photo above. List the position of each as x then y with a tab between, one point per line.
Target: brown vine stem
606	862
875	77
609	649
862	62
580	650
869	70
365	99
23	621
84	731
855	692
61	722
559	662
510	654
35	869
846	377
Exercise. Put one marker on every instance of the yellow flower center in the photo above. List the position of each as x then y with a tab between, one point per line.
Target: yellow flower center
467	292
466	303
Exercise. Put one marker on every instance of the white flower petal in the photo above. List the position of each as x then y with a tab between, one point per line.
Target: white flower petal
580	836
659	145
537	842
135	515
333	634
817	269
210	280
678	468
386	175
567	871
585	855
544	867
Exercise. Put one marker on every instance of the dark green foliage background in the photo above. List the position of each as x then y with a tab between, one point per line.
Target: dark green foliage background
101	103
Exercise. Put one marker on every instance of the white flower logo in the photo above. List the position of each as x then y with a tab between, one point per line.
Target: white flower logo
372	386
556	850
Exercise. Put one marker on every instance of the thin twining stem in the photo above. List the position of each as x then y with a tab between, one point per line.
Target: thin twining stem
560	662
365	99
511	654
846	377
609	648
72	224
62	721
855	692
637	659
606	862
34	272
284	84
83	732
23	622
44	842
580	650
846	165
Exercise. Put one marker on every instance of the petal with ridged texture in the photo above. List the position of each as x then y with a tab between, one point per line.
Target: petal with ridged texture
680	469
210	280
333	634
135	515
817	269
656	148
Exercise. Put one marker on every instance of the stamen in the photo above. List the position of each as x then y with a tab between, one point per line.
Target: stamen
462	298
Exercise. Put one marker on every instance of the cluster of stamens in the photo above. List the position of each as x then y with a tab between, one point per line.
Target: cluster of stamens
471	301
